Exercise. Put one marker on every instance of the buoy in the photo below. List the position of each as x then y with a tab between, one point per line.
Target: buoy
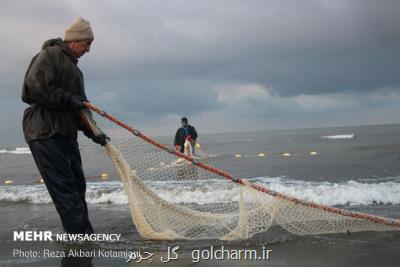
261	155
39	180
104	175
238	156
8	182
313	153
198	146
286	154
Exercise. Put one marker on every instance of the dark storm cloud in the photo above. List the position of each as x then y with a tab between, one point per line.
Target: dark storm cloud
155	98
158	60
293	46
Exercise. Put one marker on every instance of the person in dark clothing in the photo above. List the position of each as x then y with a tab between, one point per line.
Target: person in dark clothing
54	89
186	132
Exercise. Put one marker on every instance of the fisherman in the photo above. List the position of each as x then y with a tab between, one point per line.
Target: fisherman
54	89
185	133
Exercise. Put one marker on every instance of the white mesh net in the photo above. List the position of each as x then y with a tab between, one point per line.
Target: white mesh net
148	171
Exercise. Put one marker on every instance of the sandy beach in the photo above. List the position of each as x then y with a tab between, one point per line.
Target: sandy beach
364	249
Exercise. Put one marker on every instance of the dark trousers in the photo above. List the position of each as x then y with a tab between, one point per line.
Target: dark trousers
59	162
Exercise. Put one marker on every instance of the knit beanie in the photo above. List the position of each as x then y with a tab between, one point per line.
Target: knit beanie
79	30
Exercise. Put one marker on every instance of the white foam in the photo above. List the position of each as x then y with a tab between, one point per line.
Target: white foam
31	193
339	136
346	193
201	196
106	192
113	193
17	150
207	192
96	193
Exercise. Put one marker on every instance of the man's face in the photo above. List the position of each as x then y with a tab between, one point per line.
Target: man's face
184	123
79	48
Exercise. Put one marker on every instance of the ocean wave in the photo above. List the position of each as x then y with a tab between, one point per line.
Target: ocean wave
208	194
113	193
326	193
96	193
349	193
17	150
339	136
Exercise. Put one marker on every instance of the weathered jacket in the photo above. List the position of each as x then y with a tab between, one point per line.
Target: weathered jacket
51	79
181	135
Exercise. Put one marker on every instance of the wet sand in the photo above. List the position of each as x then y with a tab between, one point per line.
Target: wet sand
327	251
356	249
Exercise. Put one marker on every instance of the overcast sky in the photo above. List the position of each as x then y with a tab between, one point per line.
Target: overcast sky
227	65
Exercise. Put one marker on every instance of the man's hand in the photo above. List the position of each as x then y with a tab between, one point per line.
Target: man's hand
177	147
76	103
101	139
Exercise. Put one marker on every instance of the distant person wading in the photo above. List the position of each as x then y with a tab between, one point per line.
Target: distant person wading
185	133
54	89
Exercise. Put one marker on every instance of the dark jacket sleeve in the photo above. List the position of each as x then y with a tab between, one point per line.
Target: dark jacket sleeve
81	126
176	140
40	84
194	134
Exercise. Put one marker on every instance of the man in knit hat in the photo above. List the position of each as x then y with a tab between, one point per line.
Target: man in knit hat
54	89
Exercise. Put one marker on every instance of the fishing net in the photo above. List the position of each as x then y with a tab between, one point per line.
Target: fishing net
148	169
